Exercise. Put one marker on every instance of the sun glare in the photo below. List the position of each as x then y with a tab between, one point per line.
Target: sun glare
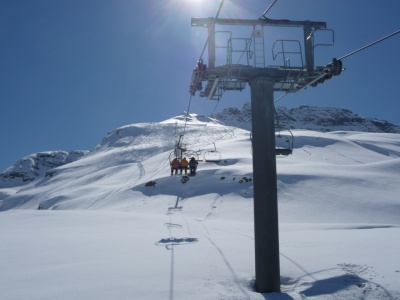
190	4
194	1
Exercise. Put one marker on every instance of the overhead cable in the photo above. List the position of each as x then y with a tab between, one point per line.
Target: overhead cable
369	45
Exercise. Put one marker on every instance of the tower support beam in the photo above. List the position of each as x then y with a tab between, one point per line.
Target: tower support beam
266	231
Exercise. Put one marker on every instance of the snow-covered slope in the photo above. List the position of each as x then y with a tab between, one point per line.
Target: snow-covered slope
94	230
355	164
124	153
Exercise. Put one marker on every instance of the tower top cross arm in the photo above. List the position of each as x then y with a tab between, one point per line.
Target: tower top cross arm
206	22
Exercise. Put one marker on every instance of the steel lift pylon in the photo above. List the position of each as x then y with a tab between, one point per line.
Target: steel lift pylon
263	81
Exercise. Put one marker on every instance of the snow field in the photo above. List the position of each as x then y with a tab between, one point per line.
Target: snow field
102	234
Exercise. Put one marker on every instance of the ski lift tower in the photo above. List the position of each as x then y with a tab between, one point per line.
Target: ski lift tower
263	81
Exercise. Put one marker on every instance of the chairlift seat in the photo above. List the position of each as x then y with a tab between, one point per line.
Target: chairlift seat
213	160
283	151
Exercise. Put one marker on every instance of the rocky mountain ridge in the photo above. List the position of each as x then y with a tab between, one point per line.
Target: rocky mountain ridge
37	165
323	119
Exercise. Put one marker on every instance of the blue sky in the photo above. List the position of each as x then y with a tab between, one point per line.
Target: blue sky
73	70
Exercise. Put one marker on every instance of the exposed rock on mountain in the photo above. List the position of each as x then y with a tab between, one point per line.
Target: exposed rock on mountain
37	165
324	119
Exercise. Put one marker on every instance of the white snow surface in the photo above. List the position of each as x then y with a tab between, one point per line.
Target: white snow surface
102	234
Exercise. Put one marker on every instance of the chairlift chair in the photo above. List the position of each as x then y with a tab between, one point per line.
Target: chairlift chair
283	141
181	152
213	156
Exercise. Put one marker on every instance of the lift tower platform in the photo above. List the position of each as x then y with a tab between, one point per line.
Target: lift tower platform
264	81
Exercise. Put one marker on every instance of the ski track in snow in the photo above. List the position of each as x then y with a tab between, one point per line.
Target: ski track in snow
142	171
244	294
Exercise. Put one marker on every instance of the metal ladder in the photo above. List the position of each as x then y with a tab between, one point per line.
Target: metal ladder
259	47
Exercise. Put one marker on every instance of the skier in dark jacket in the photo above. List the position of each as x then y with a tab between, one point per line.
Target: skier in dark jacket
193	166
